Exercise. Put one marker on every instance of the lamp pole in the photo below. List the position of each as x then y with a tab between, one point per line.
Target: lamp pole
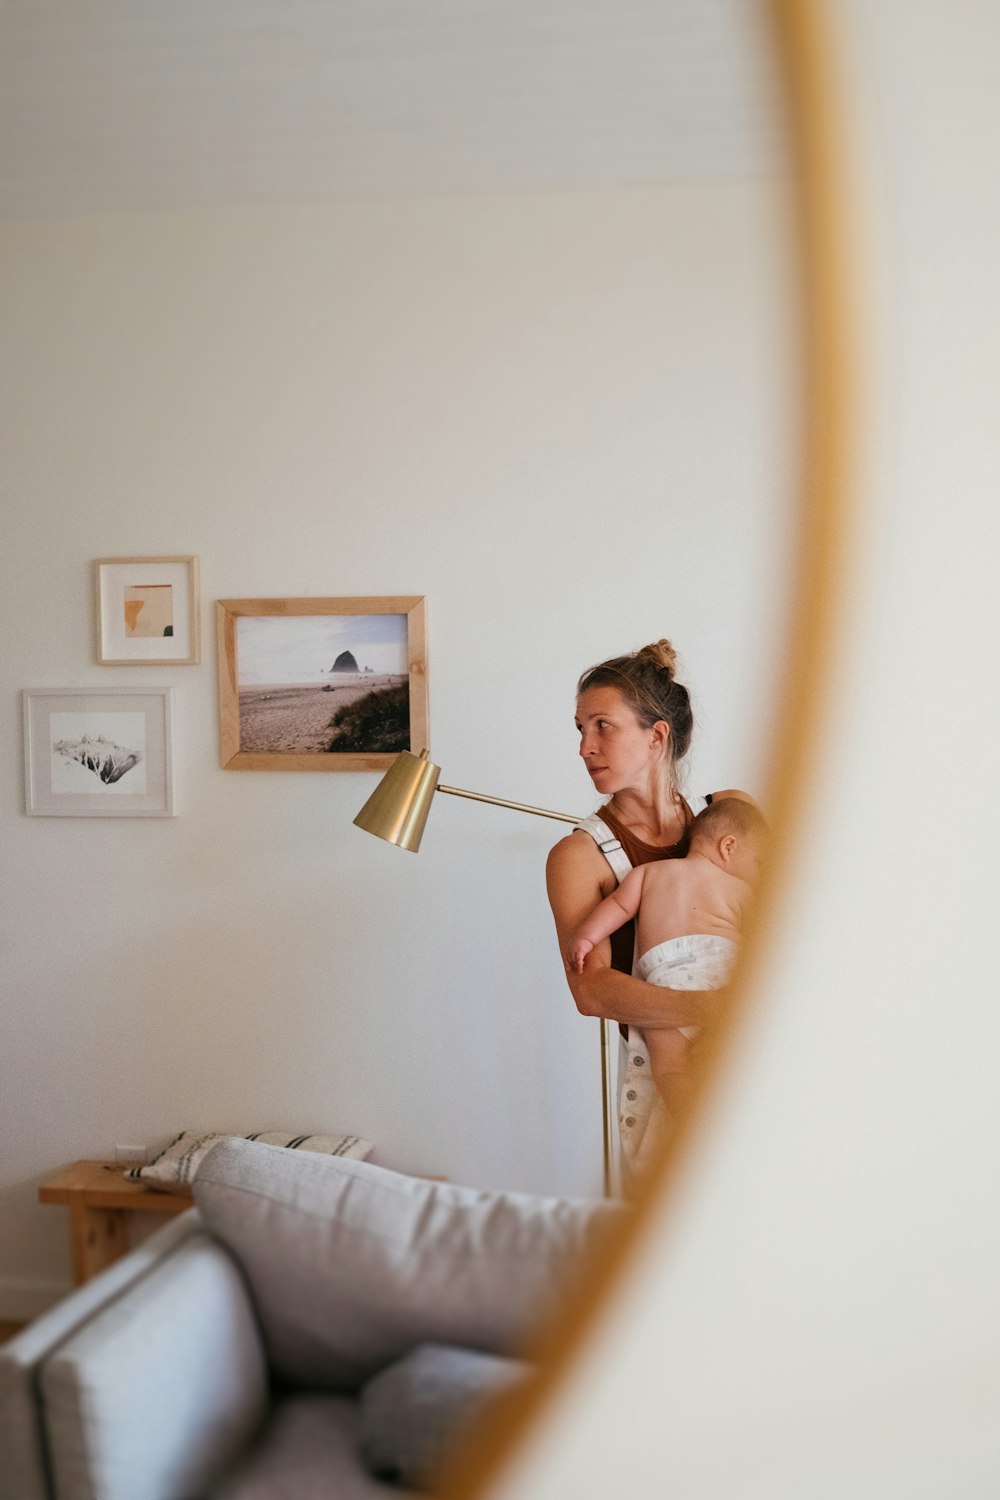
397	812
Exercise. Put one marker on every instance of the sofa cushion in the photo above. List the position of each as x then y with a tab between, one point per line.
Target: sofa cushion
308	1451
158	1392
351	1265
413	1413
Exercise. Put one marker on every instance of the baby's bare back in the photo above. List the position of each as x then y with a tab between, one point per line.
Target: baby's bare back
681	897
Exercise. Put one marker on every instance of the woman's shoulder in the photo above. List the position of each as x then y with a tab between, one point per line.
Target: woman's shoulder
577	877
576	861
576	851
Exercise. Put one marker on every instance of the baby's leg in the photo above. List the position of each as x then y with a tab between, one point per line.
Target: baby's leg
668	1056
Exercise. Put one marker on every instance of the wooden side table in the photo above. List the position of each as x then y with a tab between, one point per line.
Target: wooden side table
98	1197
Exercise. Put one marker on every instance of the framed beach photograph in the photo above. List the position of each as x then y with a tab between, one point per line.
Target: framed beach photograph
147	611
321	684
92	753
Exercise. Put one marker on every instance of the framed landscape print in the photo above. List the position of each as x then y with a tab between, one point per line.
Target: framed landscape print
90	753
147	611
321	684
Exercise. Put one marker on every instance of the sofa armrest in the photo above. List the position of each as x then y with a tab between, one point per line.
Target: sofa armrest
157	1393
23	1460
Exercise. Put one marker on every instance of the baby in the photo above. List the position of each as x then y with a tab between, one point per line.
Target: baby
688	917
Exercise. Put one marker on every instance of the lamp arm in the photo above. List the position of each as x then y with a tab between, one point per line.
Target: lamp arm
541	812
608	1100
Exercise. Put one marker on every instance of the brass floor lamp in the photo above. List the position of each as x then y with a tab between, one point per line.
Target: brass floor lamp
397	811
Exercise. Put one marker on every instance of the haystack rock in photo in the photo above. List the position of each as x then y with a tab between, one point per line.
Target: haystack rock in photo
345	663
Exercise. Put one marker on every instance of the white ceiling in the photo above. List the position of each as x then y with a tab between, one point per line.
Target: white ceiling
123	105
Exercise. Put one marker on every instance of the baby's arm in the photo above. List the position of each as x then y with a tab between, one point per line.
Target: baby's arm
613	912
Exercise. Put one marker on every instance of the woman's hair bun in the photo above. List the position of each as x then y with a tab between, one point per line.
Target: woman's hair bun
646	681
661	654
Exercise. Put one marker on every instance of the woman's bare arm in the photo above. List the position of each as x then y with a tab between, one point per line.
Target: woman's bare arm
578	879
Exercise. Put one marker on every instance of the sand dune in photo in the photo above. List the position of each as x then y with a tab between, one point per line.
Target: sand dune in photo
283	719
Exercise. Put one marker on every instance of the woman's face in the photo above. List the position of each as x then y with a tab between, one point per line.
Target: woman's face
616	749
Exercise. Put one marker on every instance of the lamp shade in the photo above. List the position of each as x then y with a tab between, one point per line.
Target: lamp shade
397	809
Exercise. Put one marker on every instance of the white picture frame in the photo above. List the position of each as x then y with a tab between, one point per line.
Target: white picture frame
98	752
147	611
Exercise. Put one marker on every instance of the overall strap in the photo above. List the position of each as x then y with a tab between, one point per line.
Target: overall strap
609	846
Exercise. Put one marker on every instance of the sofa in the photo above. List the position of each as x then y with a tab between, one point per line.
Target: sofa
314	1328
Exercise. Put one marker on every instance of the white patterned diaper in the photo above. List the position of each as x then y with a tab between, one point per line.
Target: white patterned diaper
698	962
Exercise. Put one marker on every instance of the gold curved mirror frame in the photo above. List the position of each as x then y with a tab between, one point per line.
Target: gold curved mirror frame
800	57
805	69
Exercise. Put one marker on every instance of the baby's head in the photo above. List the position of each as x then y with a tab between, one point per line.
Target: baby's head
733	834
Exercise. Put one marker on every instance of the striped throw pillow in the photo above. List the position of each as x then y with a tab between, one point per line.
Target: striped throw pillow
176	1164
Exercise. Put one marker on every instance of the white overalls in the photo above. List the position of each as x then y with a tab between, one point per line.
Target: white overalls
642	1119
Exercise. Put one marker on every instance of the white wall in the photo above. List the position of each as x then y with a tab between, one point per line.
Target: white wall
816	1308
564	419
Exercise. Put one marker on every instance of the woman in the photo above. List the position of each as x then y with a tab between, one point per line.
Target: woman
635	725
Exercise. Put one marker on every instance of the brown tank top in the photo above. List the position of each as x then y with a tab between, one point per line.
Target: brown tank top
639	853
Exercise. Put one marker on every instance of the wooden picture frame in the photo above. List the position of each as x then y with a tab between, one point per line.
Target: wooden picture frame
289	667
147	611
98	752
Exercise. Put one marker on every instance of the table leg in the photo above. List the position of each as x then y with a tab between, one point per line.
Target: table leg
99	1237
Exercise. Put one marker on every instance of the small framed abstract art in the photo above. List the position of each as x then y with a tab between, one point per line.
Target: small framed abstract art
90	753
321	684
147	611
